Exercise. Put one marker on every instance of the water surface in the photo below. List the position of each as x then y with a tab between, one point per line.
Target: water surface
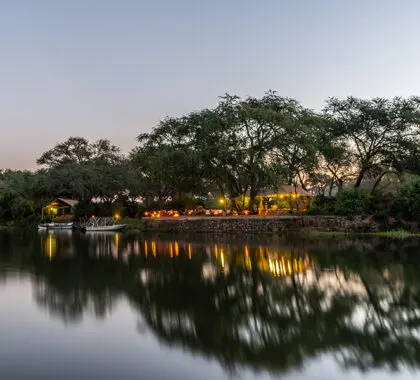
149	306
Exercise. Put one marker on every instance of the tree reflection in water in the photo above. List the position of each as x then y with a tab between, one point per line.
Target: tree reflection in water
269	305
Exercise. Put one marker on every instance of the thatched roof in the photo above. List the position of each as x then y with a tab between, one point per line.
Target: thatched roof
66	201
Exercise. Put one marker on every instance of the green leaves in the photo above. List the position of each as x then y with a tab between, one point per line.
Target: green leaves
375	132
14	207
351	202
407	203
79	150
231	147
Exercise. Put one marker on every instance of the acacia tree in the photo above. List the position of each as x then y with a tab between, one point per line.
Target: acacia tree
164	171
335	166
79	150
83	170
233	142
374	132
294	152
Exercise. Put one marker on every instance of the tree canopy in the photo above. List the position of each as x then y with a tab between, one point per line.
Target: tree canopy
237	149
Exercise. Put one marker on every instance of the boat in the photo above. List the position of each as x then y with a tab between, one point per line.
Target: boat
55	226
115	227
101	225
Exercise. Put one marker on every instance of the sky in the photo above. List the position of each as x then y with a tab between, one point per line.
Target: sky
114	68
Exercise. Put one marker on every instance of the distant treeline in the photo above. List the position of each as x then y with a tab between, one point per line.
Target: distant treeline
367	150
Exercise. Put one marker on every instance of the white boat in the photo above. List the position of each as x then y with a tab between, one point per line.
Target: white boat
55	226
114	227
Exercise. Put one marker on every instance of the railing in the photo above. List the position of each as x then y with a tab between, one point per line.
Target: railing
95	222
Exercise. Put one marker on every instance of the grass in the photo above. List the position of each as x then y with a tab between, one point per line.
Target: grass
130	222
327	233
394	234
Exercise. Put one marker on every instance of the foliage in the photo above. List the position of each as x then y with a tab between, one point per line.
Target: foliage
322	205
14	207
165	172
86	209
407	202
236	150
128	208
79	150
352	202
376	133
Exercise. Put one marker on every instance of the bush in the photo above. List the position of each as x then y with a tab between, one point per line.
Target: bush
352	202
176	204
85	209
128	208
14	207
322	205
407	202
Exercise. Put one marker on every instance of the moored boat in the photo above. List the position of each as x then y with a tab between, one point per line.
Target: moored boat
115	227
55	226
101	225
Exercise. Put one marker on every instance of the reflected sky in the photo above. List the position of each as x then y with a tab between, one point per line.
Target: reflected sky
131	306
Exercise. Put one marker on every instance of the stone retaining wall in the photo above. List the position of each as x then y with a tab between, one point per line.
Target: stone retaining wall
254	224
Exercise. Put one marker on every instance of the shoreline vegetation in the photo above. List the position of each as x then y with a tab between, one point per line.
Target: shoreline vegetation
162	226
394	234
325	226
356	158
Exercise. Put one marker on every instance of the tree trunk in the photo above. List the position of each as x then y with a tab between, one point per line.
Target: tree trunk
378	181
301	183
252	194
330	189
360	177
147	199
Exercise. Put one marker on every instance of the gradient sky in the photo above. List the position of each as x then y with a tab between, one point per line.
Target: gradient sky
113	68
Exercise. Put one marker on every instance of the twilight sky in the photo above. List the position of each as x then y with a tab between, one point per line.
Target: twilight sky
113	68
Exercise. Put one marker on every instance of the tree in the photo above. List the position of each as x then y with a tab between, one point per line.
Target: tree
82	170
232	145
164	171
295	149
14	207
79	150
374	132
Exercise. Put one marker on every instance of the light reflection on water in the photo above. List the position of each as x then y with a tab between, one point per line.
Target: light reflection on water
209	306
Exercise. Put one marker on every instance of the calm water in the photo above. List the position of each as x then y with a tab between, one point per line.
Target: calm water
128	306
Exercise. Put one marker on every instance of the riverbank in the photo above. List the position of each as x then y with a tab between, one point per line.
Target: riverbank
313	225
394	234
261	224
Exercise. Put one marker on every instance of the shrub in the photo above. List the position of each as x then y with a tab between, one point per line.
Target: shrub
85	209
322	205
407	202
128	208
14	207
176	204
187	203
352	202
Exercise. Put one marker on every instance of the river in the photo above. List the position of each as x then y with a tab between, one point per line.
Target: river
161	306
